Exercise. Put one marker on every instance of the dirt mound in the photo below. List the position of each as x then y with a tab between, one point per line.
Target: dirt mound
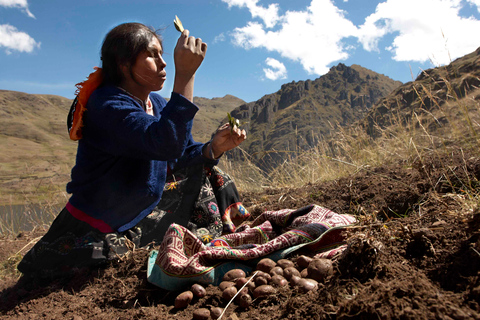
414	255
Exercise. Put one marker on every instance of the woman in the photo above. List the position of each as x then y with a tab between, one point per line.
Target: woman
130	139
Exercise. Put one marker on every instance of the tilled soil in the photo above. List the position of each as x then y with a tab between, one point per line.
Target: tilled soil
414	255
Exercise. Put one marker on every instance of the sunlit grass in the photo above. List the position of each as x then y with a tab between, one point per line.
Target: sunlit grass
452	126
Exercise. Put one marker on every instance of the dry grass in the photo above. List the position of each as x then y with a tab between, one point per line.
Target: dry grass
350	150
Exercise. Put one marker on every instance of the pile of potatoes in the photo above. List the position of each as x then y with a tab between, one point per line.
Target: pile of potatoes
305	275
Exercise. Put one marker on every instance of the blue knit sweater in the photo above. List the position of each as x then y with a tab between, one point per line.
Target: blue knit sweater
122	159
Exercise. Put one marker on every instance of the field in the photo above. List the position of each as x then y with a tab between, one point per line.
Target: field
422	264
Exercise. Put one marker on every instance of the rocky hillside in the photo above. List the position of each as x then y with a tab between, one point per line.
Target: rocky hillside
427	100
300	113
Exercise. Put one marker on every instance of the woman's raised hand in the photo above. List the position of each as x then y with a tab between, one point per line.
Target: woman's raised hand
188	56
226	138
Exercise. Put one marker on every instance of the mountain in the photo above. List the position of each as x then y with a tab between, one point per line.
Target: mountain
300	113
36	153
211	114
428	100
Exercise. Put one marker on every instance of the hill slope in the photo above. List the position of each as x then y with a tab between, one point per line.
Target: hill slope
211	114
37	154
297	116
431	98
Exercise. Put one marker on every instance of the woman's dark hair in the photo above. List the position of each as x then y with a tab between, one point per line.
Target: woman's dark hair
121	46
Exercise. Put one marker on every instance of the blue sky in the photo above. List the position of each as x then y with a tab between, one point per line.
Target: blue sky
254	46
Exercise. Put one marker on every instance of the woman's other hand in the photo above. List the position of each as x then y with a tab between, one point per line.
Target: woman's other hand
188	55
226	138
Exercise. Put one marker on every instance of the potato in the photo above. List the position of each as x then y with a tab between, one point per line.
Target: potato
250	285
319	269
264	291
289	272
276	270
183	299
294	280
304	273
284	263
234	274
279	281
216	312
306	285
304	261
198	291
201	314
244	301
263	275
229	293
225	284
266	265
240	282
242	292
259	281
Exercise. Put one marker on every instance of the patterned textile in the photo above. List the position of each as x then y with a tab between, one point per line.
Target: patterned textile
215	202
183	260
192	198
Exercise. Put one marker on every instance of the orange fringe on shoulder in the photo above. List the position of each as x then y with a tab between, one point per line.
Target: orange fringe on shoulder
83	92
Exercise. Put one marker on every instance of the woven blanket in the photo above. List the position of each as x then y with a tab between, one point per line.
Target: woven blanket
183	259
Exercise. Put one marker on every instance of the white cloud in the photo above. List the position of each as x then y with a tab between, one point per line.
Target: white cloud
312	37
433	31
219	38
269	15
21	4
12	39
276	71
412	30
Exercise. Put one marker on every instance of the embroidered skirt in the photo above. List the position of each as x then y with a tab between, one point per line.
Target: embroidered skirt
202	199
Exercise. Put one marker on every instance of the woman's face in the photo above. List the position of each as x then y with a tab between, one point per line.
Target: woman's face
149	68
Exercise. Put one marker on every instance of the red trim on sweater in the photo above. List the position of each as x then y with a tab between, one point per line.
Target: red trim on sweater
82	216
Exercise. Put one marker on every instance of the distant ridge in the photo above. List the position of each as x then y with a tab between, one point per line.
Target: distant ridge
36	153
211	113
300	113
427	98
